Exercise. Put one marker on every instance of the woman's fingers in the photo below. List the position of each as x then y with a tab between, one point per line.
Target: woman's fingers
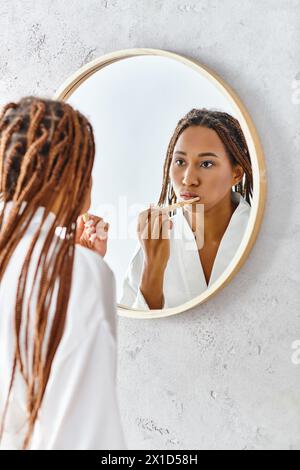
156	226
167	225
101	229
91	230
79	229
161	226
142	222
153	224
93	220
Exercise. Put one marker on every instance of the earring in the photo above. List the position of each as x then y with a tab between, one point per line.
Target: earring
239	188
169	191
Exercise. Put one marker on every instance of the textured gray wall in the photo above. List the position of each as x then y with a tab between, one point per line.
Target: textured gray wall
219	376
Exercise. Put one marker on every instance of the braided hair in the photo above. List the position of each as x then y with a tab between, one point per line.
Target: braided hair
231	134
46	155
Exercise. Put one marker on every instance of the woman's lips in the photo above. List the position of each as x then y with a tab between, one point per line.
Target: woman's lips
187	196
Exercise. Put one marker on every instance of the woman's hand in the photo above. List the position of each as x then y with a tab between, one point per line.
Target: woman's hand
154	236
92	234
153	233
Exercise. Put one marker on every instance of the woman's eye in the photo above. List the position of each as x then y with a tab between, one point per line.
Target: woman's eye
207	162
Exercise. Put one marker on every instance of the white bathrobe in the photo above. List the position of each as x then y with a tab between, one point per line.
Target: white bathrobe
80	406
184	277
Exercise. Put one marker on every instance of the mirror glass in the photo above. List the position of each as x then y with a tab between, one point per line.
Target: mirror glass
166	134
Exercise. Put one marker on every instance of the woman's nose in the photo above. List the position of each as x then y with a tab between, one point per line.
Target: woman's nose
190	177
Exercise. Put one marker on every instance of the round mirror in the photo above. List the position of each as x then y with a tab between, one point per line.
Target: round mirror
179	175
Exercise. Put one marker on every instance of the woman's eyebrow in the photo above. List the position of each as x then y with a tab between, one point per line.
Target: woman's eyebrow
203	154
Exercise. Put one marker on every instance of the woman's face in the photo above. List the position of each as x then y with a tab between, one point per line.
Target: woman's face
201	167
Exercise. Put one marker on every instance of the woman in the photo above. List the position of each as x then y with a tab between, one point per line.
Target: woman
207	157
57	298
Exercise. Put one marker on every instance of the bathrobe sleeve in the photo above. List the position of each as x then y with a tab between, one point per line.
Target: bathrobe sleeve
132	297
131	294
80	407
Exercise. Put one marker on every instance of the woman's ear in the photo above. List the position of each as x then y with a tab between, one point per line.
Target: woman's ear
238	173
